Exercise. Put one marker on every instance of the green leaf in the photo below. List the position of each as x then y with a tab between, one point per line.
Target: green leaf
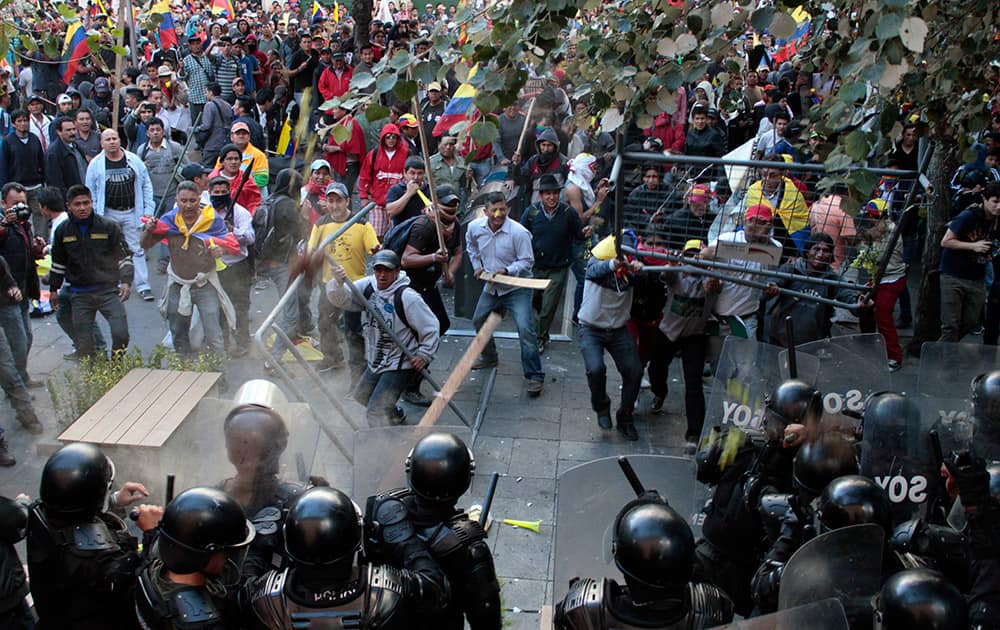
375	112
894	51
386	82
487	102
66	11
837	162
852	92
894	4
494	81
399	60
686	43
612	120
722	14
864	180
888	25
695	22
405	90
483	133
51	47
913	32
856	145
761	19
341	133
782	26
673	80
119	50
361	81
666	47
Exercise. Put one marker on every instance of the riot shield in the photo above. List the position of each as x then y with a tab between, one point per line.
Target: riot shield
850	368
845	564
897	452
747	372
380	456
824	615
590	497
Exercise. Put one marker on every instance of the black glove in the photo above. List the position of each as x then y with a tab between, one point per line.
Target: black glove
969	473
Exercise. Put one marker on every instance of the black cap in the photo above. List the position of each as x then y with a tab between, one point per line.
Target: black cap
446	195
191	171
337	55
548	182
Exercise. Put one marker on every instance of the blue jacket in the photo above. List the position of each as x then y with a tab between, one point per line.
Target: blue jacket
96	179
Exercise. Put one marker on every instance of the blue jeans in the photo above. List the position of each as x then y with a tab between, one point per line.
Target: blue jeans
579	269
207	301
288	319
380	393
10	376
13	323
64	317
518	302
619	344
85	309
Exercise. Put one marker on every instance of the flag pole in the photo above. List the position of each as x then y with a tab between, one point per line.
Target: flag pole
119	61
430	173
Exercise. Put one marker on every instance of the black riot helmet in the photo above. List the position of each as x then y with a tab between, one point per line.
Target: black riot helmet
654	548
792	402
994	471
920	599
440	468
13	520
199	523
854	500
76	481
986	398
256	436
888	419
323	527
820	461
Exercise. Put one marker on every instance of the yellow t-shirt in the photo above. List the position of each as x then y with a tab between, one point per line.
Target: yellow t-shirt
350	249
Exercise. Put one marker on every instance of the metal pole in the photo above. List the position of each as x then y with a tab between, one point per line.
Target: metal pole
360	297
484	399
634	156
133	49
177	166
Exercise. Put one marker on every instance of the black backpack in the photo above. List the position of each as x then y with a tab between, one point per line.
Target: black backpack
269	242
399	235
397	302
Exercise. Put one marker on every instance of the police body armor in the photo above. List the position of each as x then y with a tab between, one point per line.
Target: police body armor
182	608
458	545
82	573
267	550
373	598
605	605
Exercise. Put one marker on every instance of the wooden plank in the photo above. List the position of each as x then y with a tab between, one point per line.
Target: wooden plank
513	281
164	401
108	402
131	407
545	617
159	434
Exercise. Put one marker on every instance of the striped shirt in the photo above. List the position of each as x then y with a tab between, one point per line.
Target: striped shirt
225	72
199	73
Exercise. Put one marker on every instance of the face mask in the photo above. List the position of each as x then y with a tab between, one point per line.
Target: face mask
219	201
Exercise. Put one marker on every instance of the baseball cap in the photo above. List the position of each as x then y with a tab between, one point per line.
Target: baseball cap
64	98
759	211
163	71
699	193
385	258
102	85
194	170
407	120
694	243
336	188
239	126
876	208
446	195
434	86
318	164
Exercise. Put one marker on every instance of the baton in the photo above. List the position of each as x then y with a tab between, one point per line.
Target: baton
935	438
633	479
170	489
177	166
793	366
488	501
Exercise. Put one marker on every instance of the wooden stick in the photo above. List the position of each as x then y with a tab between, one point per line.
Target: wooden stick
513	281
430	174
524	129
461	370
119	62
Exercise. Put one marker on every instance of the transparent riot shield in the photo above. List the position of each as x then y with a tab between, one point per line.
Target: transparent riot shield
823	615
748	371
850	368
898	453
845	564
380	456
590	497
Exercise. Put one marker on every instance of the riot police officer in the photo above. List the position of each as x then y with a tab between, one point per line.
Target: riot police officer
729	552
654	549
326	586
256	437
81	559
192	578
920	599
439	470
14	612
788	518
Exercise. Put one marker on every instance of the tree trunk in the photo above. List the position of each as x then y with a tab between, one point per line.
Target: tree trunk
927	318
361	11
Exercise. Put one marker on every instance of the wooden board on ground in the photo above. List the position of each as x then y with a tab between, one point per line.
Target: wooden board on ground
514	281
143	409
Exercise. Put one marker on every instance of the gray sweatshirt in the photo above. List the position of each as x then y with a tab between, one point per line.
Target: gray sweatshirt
421	336
607	300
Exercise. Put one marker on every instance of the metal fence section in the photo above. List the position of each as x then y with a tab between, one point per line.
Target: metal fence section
671	203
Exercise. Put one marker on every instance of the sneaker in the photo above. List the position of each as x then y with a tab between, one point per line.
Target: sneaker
30	422
657	406
690	447
72	356
399	417
483	363
329	366
978	330
541	345
604	419
416	398
6	459
239	351
33	384
894	365
535	388
627	429
146	295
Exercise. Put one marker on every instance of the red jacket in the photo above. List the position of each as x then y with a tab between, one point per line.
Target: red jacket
250	195
378	171
672	135
330	86
355	145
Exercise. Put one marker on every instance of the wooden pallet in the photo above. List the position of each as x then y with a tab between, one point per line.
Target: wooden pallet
143	409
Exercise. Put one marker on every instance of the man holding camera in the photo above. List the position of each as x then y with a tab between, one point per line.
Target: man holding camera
19	247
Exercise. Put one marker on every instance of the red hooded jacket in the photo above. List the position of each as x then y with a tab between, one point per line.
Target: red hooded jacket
378	171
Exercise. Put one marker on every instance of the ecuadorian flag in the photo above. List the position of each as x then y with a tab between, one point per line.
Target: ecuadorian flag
74	50
317	12
208	227
458	107
224	7
286	139
167	32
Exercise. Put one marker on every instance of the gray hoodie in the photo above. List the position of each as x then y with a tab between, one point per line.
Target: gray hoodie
421	336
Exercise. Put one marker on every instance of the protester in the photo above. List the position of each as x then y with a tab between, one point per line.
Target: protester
235	274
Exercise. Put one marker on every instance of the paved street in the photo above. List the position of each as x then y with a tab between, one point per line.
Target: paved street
530	442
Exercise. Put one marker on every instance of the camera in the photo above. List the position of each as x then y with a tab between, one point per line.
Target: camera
21	210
